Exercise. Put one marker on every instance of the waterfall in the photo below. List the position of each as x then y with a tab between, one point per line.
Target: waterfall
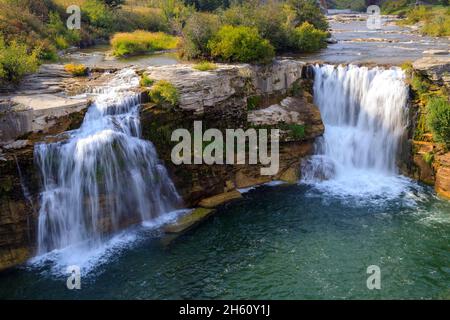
365	116
103	176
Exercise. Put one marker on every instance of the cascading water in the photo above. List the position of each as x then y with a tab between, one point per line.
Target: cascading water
365	116
104	176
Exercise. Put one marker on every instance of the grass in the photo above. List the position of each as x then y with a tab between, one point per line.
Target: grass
139	41
146	81
253	102
77	70
205	66
428	157
435	20
163	92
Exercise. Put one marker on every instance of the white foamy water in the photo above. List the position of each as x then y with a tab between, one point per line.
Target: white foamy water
365	116
101	179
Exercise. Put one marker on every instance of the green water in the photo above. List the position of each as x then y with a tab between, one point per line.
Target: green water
283	242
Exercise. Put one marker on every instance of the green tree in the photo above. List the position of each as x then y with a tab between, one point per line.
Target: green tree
240	44
306	38
197	32
309	11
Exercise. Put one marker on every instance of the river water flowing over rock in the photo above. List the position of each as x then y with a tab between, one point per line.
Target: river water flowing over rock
103	177
365	116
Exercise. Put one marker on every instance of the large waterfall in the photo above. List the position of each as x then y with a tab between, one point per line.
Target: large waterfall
103	176
365	116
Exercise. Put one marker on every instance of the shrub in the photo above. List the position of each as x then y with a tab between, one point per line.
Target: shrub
253	102
269	18
16	61
407	66
419	85
296	131
77	70
98	13
428	157
306	38
307	11
438	119
146	81
197	32
205	66
240	44
163	92
438	27
141	42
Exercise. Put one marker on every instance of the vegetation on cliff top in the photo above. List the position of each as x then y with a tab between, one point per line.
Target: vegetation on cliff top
139	42
40	25
163	92
434	113
432	20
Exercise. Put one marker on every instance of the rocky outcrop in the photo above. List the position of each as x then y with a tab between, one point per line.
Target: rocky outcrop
430	160
38	111
234	96
435	66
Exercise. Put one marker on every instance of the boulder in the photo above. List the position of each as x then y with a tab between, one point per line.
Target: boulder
436	68
219	199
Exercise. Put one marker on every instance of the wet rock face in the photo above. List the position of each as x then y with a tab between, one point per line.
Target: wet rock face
230	97
233	96
18	216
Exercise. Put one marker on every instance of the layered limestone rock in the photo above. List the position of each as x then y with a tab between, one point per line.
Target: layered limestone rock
38	111
442	166
430	160
276	96
436	67
232	96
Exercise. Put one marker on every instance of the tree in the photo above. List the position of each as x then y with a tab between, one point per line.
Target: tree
309	11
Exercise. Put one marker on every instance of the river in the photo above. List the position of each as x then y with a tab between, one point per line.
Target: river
312	240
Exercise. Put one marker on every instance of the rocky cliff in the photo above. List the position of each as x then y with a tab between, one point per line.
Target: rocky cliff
430	160
232	96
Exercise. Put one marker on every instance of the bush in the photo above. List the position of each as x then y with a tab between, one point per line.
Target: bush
197	32
205	66
16	61
438	119
142	42
306	38
307	11
146	81
163	92
98	13
428	157
438	27
269	18
240	44
62	36
77	70
419	85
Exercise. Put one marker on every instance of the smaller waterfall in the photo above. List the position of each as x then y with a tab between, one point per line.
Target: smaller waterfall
365	116
104	176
